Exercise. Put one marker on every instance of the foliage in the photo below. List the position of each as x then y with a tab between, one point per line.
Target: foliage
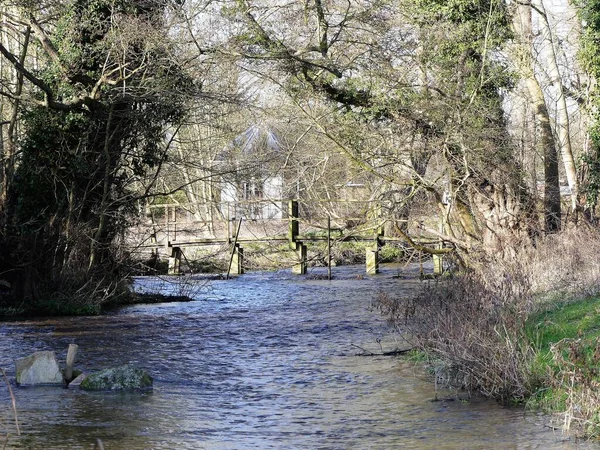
83	154
589	56
412	94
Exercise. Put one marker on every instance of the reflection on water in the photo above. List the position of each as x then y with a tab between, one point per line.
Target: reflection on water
266	360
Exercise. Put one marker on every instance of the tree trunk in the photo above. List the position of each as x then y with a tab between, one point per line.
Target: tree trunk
562	124
552	206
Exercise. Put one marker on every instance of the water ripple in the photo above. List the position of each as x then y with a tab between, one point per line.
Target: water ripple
266	360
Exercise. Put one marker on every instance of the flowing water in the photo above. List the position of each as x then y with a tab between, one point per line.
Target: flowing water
263	361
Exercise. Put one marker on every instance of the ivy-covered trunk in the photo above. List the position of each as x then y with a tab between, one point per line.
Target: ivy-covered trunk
102	102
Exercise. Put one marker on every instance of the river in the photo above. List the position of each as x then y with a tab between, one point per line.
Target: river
262	361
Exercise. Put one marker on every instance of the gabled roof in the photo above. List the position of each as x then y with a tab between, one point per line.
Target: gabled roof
255	141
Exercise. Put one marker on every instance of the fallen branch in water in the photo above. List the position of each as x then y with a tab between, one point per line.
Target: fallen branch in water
13	400
395	352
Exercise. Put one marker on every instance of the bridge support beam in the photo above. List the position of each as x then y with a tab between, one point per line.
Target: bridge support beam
373	260
293	226
438	265
373	253
300	267
175	261
237	260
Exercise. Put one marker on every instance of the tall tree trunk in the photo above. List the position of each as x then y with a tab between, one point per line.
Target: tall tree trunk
11	135
562	124
552	206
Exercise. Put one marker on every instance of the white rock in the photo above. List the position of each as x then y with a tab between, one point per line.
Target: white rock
77	381
39	368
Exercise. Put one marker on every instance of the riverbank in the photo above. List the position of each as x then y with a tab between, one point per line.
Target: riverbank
521	328
566	363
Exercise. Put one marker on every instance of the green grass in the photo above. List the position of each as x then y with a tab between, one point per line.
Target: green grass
571	320
566	363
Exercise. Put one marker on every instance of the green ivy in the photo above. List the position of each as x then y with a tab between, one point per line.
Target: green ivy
589	56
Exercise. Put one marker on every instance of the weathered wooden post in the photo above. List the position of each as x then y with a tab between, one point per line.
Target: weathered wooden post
295	244
293	225
373	260
228	224
237	253
300	267
329	247
71	356
174	223
373	253
237	261
166	212
438	264
175	261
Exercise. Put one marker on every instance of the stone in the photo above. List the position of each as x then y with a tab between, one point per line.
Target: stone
39	368
71	356
125	377
76	383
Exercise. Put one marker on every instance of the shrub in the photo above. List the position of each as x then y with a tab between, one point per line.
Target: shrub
476	322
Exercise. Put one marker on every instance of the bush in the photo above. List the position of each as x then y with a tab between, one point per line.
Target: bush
474	330
476	322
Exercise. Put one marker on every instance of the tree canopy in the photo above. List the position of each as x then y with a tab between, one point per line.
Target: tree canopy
465	106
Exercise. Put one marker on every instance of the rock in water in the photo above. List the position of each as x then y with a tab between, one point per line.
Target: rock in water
76	383
118	378
39	368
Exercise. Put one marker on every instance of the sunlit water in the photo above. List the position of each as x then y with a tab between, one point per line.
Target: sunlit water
266	360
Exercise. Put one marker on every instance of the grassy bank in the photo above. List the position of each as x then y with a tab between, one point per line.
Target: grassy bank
515	329
566	364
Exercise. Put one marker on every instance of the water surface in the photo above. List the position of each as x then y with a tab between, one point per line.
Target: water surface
263	361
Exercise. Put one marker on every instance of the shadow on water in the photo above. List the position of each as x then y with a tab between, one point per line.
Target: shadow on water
266	360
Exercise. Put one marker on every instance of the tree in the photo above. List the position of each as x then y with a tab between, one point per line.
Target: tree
524	55
427	72
589	14
101	87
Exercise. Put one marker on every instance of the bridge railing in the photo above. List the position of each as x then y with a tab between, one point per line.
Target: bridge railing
176	225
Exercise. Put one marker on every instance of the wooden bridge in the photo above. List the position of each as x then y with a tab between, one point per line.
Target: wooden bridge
176	226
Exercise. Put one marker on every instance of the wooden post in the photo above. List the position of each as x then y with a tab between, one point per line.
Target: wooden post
234	248
167	223
329	247
175	261
237	261
438	267
373	253
71	355
228	224
300	267
373	260
438	261
293	227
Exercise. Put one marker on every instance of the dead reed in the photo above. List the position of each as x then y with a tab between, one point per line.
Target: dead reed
474	323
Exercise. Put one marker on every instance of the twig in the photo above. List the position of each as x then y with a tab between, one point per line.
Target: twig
99	445
14	401
394	352
364	352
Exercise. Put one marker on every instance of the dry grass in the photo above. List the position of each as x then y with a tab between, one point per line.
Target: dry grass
575	381
474	323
